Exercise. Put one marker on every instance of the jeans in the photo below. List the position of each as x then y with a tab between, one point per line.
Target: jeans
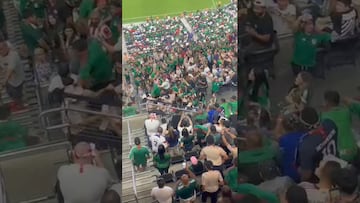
213	196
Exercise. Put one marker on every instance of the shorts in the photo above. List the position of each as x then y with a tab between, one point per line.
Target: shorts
143	165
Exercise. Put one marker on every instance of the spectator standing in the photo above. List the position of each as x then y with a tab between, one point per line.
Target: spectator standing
152	124
342	117
98	71
33	35
156	140
320	191
211	181
213	153
284	16
187	186
14	75
319	141
139	155
162	193
162	160
172	138
259	27
344	20
306	42
92	179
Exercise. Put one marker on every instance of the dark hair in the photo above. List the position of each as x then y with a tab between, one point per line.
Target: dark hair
160	182
110	196
330	169
332	97
185	132
208	165
222	100
346	180
137	141
163	120
160	130
309	118
212	128
4	112
161	151
210	140
260	79
296	194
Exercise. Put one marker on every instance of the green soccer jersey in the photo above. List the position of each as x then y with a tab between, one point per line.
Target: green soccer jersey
227	109
216	87
99	66
156	91
341	116
129	111
187	141
139	155
185	192
305	47
234	107
162	163
31	35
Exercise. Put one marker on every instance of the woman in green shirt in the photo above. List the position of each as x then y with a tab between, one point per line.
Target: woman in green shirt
162	160
139	155
258	87
187	141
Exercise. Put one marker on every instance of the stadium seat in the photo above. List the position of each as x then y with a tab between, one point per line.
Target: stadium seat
179	173
168	177
188	155
177	159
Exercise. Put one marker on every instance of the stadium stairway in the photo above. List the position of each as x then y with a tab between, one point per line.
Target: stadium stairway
145	181
29	117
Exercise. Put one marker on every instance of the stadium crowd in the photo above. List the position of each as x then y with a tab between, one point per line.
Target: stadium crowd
73	48
297	155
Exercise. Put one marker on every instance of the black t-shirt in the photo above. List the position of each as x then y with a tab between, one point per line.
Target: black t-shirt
316	144
344	24
263	25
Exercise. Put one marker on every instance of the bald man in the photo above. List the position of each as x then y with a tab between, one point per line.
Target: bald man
86	179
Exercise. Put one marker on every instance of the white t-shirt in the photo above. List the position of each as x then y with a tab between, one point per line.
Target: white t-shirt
152	126
280	25
163	195
156	140
88	186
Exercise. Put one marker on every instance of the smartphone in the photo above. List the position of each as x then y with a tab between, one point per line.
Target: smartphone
334	194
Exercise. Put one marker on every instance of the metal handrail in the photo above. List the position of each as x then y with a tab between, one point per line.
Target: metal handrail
132	168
